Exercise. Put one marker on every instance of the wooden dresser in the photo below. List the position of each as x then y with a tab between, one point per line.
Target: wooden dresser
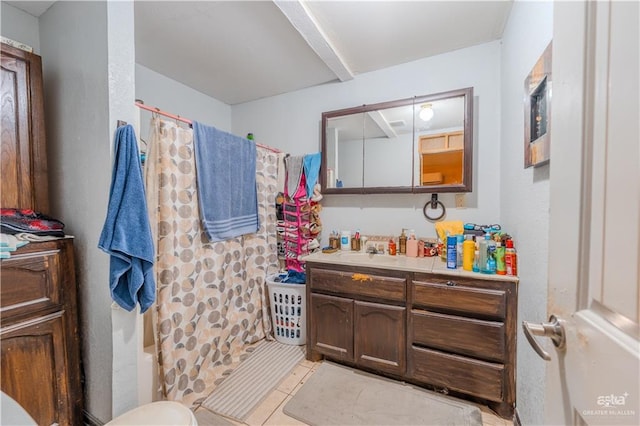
39	336
451	333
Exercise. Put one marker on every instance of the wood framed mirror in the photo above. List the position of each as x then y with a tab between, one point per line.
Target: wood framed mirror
415	145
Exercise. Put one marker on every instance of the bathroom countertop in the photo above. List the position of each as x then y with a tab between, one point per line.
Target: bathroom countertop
432	265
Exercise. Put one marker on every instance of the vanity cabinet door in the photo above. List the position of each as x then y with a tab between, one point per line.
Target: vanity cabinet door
331	323
380	336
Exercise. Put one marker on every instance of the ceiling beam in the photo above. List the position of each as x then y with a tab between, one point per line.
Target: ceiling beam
382	123
305	24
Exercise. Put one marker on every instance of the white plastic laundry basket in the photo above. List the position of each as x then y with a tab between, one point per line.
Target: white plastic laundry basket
288	311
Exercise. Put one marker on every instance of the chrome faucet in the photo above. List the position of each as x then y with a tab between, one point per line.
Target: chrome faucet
371	249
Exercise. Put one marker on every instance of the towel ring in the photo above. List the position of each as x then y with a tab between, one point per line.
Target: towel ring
433	204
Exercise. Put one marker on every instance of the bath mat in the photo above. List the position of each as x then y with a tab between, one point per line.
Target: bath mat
254	379
337	395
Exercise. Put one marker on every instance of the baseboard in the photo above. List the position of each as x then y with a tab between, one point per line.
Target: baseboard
90	419
516	418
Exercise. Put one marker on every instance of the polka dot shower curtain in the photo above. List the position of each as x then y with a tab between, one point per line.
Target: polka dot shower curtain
211	297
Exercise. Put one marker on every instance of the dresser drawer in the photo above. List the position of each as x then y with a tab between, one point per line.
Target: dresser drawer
466	336
466	375
359	284
449	295
30	282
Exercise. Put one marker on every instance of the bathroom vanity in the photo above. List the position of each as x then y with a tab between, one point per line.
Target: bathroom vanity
414	320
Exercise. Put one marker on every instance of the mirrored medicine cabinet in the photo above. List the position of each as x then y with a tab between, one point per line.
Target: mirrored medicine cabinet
416	145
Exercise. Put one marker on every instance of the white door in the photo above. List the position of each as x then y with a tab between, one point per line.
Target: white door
594	228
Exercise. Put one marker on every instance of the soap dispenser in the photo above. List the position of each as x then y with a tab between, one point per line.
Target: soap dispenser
402	243
412	245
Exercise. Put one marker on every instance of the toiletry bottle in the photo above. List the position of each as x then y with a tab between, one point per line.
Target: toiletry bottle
511	259
452	252
412	245
501	268
490	267
468	251
334	241
355	241
392	247
482	249
476	261
491	260
402	243
460	240
345	240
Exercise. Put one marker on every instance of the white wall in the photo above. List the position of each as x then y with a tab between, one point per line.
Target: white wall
291	122
88	62
20	26
159	91
525	193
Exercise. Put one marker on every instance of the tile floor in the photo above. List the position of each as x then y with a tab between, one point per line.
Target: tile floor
269	412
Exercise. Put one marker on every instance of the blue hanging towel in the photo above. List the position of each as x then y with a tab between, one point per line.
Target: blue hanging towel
312	170
126	234
226	176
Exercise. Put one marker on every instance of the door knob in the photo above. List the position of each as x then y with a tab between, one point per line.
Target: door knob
553	329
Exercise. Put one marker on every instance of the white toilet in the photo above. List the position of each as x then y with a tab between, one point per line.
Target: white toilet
157	413
152	414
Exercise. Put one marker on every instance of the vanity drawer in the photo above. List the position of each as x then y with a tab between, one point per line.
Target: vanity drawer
30	282
470	376
449	295
359	284
466	336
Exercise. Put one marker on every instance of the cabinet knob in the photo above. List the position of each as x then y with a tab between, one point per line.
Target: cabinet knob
451	284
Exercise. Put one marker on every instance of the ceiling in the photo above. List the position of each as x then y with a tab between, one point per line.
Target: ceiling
239	51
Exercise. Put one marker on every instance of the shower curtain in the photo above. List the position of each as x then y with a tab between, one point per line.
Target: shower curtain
211	297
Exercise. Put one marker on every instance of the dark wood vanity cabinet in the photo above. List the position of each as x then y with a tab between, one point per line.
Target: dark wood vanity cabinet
358	318
39	337
452	333
462	334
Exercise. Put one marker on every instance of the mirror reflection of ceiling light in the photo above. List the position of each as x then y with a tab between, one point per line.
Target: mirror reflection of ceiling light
426	112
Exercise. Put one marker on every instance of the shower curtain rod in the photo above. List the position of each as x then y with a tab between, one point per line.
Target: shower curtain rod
141	104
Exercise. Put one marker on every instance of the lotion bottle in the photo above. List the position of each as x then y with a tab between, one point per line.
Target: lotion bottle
412	246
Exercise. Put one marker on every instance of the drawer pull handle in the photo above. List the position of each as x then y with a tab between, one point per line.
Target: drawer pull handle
361	277
451	284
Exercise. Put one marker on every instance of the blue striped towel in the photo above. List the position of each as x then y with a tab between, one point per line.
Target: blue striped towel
226	179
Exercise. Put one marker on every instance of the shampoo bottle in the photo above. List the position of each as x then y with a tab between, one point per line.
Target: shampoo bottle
468	251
